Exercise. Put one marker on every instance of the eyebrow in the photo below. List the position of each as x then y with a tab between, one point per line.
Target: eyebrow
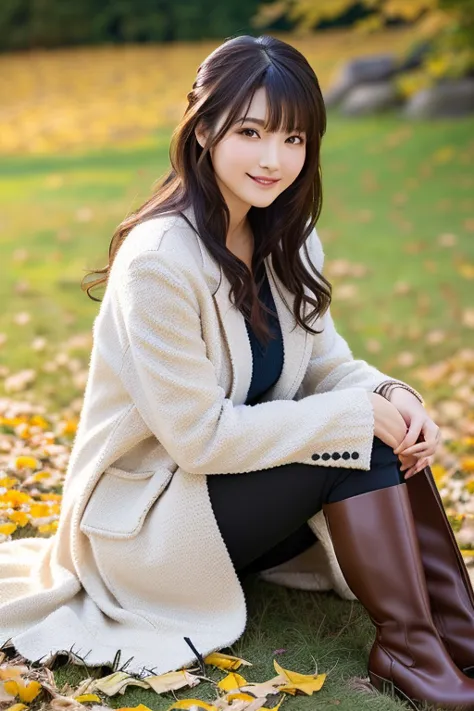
258	121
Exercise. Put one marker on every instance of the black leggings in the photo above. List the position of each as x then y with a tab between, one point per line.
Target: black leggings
262	515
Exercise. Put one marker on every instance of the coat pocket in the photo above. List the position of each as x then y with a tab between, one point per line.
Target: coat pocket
121	500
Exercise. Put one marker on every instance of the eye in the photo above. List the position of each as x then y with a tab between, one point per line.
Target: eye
248	129
297	136
301	141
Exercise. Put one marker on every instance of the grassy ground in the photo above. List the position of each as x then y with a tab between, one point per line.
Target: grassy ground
392	190
397	225
396	195
318	633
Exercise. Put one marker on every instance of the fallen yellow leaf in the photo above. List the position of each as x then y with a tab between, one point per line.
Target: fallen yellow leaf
15	498
466	270
19	517
172	681
467	464
26	692
24	462
116	683
39	510
194	704
231	681
38	421
307	683
83	698
7	529
225	661
11	672
240	696
8	481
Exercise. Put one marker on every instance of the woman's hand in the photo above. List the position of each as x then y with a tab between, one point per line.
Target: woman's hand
412	465
415	455
390	426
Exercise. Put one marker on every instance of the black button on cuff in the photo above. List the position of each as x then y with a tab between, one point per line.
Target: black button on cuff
315	457
336	455
355	455
346	455
326	456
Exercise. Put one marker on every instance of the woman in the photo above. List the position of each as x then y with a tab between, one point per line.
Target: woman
215	354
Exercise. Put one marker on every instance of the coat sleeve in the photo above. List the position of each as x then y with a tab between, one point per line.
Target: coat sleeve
173	384
332	366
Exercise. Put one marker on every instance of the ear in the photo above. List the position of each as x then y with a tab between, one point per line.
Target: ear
201	136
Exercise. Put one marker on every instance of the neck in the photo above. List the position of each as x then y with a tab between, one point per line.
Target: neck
239	228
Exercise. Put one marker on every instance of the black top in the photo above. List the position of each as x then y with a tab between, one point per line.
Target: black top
267	361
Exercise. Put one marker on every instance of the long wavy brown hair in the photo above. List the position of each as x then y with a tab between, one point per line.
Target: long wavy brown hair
226	81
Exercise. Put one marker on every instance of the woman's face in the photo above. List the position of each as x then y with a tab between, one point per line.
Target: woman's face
247	150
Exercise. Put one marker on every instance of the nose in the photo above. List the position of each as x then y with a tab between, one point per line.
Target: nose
270	154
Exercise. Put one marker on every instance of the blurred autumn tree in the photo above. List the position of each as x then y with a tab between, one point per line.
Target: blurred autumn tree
446	26
28	24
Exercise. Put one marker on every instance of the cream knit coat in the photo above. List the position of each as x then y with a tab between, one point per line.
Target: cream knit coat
138	562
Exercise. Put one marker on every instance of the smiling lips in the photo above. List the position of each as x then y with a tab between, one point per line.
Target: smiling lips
261	180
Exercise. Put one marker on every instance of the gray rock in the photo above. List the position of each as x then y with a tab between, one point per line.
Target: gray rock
415	55
370	98
362	70
448	98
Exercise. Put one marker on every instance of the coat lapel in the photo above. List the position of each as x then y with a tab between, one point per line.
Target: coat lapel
296	340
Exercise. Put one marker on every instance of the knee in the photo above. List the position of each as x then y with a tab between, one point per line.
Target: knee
382	453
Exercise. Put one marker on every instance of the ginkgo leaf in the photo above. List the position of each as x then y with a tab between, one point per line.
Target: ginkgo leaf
241	696
246	705
83	698
12	672
264	688
232	681
20	518
140	707
6	529
241	704
172	681
26	462
26	692
307	683
17	707
192	705
225	661
117	683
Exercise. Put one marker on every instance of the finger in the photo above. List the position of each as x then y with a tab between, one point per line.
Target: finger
410	438
429	451
420	447
406	466
426	449
410	472
414	470
407	462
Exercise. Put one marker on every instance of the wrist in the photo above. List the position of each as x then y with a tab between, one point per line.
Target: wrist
388	387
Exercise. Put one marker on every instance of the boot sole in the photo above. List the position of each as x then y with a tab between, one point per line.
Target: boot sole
385	686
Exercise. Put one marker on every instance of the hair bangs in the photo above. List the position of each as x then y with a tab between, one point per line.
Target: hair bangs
290	106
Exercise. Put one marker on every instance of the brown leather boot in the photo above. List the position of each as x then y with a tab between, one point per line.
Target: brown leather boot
376	544
447	579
